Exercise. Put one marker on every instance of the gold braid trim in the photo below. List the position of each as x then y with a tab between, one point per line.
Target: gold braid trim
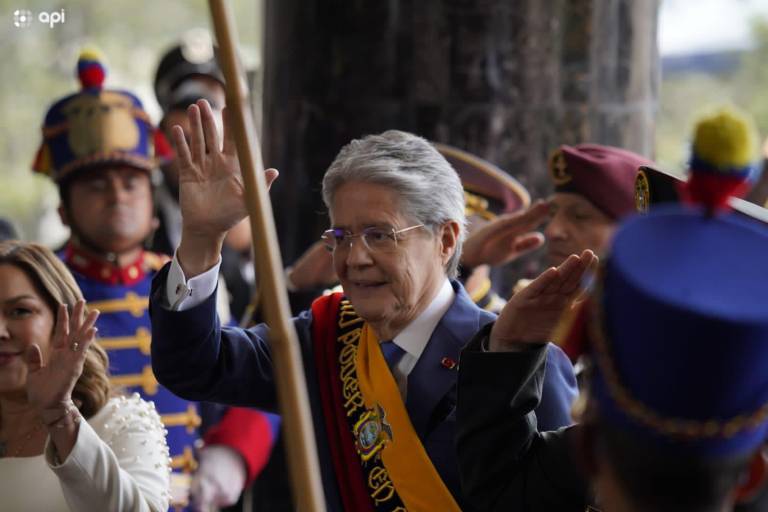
140	162
476	205
50	132
642	413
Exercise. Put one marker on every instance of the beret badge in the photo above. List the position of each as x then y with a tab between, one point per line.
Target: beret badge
642	192
559	168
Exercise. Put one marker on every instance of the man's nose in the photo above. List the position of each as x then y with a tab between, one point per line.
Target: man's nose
358	253
116	191
556	229
5	334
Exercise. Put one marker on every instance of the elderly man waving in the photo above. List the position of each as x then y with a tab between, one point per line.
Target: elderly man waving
381	360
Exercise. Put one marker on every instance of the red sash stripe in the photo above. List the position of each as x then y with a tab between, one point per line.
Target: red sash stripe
346	461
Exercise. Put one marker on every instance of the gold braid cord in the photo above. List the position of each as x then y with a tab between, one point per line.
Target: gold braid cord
642	413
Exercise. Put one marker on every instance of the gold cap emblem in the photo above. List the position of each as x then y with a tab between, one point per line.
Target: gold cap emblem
642	192
559	168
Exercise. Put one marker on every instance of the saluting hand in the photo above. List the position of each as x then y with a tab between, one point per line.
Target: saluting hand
532	314
50	383
506	237
313	269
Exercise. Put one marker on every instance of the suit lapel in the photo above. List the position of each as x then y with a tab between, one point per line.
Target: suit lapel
430	379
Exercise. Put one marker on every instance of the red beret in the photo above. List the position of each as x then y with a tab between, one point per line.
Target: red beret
605	175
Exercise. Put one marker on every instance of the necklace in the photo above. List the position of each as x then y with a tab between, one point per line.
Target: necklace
22	444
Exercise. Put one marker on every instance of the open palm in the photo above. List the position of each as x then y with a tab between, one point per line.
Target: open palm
50	383
211	190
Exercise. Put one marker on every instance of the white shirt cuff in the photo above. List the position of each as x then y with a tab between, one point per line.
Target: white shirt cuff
183	294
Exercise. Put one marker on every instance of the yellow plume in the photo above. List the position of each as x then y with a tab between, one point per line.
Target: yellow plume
726	139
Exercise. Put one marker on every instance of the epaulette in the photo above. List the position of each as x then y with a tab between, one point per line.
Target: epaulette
155	261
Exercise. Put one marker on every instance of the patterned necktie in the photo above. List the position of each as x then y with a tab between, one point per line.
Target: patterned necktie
392	354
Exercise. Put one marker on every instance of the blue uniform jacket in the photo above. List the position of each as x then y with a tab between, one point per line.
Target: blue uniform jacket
124	332
198	359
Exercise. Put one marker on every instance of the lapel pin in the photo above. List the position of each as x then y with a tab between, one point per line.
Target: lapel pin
449	363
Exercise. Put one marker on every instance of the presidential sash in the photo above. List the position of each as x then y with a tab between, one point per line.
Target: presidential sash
380	462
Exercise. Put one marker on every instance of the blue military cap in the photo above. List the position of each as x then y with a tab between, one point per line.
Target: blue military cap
95	127
682	339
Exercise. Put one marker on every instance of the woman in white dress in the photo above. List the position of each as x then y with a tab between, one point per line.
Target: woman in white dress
66	441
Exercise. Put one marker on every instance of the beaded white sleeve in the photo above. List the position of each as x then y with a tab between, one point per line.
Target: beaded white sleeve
120	460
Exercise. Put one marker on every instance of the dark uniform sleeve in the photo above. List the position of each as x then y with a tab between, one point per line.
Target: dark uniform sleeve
505	463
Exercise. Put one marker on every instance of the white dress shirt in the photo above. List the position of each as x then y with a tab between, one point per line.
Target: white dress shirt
413	339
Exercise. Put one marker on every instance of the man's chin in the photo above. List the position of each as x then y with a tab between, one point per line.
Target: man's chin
119	244
369	308
373	316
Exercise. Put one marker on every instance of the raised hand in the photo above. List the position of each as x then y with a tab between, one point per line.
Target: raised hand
211	190
505	238
531	315
50	383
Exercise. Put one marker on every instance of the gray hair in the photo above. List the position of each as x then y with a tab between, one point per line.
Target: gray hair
429	189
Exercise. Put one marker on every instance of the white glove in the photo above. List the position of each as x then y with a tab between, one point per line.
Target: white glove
219	479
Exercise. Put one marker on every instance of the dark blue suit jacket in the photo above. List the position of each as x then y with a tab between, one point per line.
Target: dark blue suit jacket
197	358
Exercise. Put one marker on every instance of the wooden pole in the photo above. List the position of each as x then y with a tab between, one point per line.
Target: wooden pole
288	369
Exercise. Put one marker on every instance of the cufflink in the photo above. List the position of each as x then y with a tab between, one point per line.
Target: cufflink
182	290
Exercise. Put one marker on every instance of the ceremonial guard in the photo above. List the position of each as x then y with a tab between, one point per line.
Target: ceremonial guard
187	72
678	328
98	146
594	190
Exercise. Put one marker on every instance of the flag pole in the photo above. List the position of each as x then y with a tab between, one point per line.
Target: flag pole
291	383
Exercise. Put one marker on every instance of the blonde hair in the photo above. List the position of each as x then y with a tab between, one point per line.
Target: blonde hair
55	284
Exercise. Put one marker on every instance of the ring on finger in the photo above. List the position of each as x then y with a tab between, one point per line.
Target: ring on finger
75	346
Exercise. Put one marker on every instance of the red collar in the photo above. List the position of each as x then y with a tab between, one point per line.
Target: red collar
101	269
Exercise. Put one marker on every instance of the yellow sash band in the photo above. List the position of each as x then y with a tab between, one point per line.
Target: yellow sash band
414	476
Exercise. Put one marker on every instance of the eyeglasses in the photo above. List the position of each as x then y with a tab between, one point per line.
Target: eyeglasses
375	239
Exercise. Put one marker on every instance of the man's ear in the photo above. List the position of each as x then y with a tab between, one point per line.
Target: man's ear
755	477
64	215
449	237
